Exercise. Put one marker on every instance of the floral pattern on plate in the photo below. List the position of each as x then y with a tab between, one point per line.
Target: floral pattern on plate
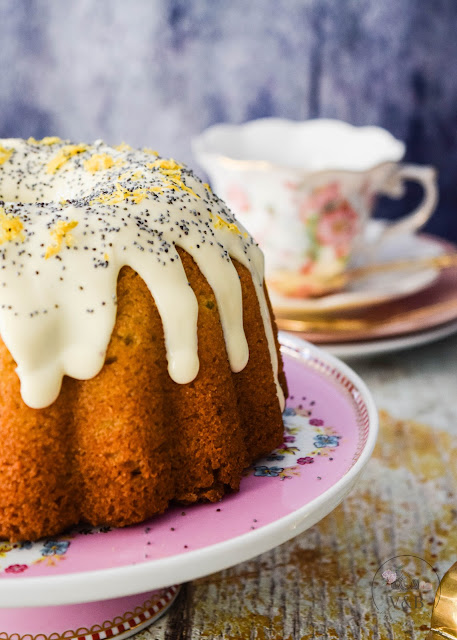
17	557
305	438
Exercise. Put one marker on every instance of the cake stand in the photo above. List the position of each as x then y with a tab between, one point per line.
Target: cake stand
105	583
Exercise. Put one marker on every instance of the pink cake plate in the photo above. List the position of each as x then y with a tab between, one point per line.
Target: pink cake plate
85	584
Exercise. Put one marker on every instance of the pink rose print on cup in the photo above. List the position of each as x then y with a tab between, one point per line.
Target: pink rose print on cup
319	199
337	228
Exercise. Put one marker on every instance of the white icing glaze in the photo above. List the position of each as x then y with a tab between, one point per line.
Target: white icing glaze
58	288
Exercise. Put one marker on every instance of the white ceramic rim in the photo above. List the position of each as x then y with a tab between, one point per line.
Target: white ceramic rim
106	584
378	346
198	147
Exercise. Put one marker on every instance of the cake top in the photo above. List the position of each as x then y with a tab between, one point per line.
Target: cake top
71	216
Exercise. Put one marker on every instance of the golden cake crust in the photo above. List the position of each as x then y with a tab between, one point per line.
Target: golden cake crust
118	448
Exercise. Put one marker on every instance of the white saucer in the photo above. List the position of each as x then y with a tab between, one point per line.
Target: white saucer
376	288
388	345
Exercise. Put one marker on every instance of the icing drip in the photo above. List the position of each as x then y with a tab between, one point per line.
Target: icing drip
71	216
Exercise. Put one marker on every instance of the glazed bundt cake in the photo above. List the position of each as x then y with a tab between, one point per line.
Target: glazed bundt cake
138	356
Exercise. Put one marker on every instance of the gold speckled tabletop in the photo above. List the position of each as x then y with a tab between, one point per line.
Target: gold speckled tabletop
322	584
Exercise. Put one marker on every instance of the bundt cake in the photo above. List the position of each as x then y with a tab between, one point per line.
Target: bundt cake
139	363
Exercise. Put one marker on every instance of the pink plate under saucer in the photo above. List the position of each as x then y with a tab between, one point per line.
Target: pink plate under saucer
330	431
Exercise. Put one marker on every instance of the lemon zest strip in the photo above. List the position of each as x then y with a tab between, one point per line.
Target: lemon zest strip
64	154
11	227
59	234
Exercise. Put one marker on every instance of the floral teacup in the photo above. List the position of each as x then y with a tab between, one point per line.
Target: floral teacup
306	190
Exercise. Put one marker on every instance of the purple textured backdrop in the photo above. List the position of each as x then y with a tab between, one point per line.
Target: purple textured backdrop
157	72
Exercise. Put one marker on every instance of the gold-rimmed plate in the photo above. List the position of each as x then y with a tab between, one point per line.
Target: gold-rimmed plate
415	319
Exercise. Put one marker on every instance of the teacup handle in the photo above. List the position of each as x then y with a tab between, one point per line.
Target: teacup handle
395	188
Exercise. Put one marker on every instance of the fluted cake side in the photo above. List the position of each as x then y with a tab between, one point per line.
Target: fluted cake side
139	361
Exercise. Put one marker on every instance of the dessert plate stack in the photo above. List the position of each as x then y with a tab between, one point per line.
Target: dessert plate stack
384	310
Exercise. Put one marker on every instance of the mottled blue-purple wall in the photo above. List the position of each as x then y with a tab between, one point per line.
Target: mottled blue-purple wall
157	72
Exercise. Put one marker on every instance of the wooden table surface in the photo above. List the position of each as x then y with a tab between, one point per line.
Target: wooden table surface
319	585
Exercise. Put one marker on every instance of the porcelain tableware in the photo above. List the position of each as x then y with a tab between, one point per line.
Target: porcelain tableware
306	191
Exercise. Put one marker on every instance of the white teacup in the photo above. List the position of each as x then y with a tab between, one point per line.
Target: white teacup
305	190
